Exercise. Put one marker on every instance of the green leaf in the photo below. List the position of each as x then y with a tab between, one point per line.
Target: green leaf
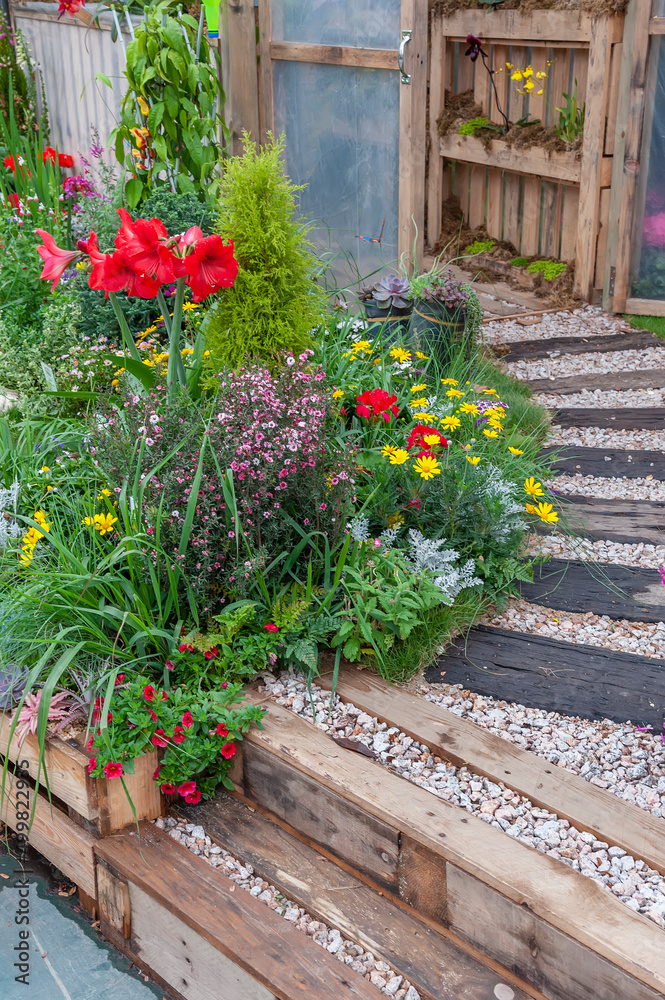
195	148
155	117
171	101
133	191
103	78
192	76
159	143
172	34
146	375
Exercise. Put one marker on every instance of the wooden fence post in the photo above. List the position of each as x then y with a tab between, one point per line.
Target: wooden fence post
242	97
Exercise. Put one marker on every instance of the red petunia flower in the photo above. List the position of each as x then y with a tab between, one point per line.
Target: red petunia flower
169	664
210	654
270	627
193	797
228	750
160	739
149	692
187	788
155	776
210	266
187	720
185	648
165	697
419	432
112	770
221	729
88	745
179	734
376	403
119	679
56	260
168	788
153	715
92	764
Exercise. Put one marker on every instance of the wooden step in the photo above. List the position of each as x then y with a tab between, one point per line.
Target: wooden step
615	520
618	418
466	744
557	930
556	676
603	588
605	463
629	341
197	933
645	378
426	955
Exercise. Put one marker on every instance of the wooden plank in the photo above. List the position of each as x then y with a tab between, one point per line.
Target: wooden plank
597	90
593	923
601	244
537	104
464	68
556	676
429	958
645	307
531	215
550	230
501	80
571	201
113	900
477	190
613	99
413	132
53	834
465	744
630	340
116	810
512	215
534	160
543	26
494	203
558	82
481	89
626	418
657	26
618	520
461	187
645	378
437	91
242	100
628	592
608	462
347	831
335	55
205	939
266	97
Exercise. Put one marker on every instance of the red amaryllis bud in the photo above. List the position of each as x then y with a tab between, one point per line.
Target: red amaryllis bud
56	260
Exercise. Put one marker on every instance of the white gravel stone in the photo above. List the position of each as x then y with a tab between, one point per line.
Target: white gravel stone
558	546
611	488
599	399
604	437
594	363
589	321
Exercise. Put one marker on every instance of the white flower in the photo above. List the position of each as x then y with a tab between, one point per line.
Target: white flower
290	361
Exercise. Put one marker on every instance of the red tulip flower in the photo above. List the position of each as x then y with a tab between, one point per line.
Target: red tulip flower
56	260
210	266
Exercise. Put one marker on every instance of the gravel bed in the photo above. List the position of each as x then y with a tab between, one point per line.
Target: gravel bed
562	365
623	764
589	629
603	400
590	321
558	546
379	973
606	437
612	488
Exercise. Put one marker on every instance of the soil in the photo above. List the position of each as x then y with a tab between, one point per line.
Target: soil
595	7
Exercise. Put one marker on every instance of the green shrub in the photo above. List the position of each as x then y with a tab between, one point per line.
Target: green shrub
178	211
274	302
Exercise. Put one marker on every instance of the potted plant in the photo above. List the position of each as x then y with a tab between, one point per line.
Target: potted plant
440	306
388	307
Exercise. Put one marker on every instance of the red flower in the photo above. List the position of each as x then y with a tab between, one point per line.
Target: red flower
149	692
160	739
143	242
113	770
187	720
120	276
210	266
65	160
71	7
270	627
187	788
49	155
193	797
229	750
88	745
169	664
210	654
185	648
165	697
13	198
376	403
56	260
98	261
155	776
168	788
221	729
153	715
92	764
419	432
9	163
119	679
179	734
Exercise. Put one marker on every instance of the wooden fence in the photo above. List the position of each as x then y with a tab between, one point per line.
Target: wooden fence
550	203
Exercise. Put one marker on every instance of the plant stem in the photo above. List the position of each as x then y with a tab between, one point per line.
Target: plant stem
126	332
176	368
491	74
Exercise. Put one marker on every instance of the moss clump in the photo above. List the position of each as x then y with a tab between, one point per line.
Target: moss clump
274	303
480	246
469	128
519	261
550	269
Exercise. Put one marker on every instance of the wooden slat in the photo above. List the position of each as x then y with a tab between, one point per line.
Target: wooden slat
557	83
581	72
617	520
645	378
601	246
207	938
437	76
334	55
627	418
542	26
571	201
495	203
413	131
533	160
467	745
613	99
592	143
464	70
531	216
461	187
550	231
481	89
115	808
477	191
537	104
644	307
266	105
501	80
242	101
657	26
608	462
593	926
53	834
630	340
512	215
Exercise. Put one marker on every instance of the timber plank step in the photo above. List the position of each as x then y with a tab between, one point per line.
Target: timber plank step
200	935
559	931
556	676
523	349
425	955
604	463
618	418
465	744
645	378
603	588
617	520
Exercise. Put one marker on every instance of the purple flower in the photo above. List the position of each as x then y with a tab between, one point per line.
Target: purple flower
475	47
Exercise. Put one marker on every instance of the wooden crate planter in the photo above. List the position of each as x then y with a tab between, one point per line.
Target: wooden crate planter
555	204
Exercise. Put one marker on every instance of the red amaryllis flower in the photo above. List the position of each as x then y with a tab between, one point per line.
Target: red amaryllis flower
210	266
193	797
92	764
228	750
143	242
71	7
168	788
376	403
179	734
56	260
120	276
149	692
187	788
210	654
187	720
221	729
112	770
271	628
419	432
98	260
160	739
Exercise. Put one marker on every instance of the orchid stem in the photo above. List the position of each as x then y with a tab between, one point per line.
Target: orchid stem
126	332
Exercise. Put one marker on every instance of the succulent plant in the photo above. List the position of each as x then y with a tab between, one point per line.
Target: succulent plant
392	291
446	291
12	683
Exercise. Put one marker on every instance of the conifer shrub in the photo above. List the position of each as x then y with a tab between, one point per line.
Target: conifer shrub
275	302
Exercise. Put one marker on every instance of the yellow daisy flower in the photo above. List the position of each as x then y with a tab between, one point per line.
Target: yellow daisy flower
451	423
491	434
399	456
423	357
427	467
515	451
454	393
338	393
431	440
418	388
449	381
419	403
425	416
473	459
395	519
546	513
400	355
490	392
532	487
469	408
388	450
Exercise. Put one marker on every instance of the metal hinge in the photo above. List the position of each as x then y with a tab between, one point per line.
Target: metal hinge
613	274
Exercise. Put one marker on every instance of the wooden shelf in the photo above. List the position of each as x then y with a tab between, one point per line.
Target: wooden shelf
543	26
564	167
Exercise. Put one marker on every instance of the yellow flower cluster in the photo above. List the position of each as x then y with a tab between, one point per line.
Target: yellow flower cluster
32	536
545	511
527	77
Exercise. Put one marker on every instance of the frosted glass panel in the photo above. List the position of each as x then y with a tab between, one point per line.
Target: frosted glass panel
342	141
648	263
374	24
